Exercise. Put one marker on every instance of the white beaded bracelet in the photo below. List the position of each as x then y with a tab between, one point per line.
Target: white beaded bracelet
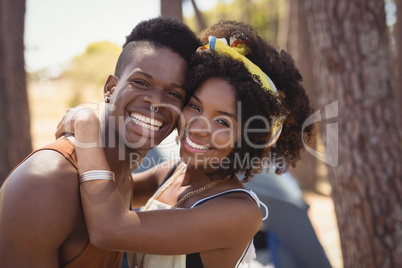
97	175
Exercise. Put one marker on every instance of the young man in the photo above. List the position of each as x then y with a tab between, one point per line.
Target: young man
41	219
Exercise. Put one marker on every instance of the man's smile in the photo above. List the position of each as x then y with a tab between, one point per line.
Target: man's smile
146	122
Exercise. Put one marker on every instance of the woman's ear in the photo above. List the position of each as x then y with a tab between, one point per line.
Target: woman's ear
110	85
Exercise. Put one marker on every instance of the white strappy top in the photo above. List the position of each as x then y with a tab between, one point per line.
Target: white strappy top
179	261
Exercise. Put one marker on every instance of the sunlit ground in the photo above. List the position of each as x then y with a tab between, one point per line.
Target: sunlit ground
49	101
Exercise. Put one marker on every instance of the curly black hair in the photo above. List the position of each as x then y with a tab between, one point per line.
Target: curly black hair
159	32
294	103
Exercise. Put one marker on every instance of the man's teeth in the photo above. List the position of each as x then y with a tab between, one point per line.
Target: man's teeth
195	146
146	122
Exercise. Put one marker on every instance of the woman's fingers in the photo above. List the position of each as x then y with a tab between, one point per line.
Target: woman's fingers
66	125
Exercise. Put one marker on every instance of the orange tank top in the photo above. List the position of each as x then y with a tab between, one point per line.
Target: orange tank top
91	257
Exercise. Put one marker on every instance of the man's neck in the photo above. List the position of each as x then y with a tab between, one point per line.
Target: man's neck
123	165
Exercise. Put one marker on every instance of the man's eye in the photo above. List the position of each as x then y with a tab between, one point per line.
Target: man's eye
175	94
140	83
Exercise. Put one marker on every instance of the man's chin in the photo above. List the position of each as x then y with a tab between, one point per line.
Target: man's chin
143	143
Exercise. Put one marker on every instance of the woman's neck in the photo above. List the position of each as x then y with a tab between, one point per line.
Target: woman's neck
196	176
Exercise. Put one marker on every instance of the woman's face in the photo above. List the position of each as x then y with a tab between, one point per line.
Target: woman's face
209	129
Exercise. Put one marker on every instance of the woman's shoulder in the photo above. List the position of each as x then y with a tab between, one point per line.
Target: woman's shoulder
233	211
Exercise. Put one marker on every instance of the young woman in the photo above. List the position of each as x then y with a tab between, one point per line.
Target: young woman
245	110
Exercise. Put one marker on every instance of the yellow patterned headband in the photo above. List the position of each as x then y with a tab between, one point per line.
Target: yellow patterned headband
237	50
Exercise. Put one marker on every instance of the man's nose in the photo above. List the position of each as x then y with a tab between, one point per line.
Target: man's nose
154	97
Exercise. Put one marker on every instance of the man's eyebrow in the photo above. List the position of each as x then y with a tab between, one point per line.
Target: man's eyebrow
145	74
136	71
177	85
151	77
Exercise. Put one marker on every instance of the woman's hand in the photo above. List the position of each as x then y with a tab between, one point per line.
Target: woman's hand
82	123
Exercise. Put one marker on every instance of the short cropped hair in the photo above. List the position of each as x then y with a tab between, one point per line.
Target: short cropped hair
159	32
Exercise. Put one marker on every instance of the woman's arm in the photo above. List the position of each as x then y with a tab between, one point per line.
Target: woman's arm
226	222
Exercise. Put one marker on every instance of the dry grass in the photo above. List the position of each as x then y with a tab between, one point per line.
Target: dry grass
323	219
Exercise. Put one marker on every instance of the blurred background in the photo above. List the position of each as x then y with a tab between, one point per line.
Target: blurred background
57	54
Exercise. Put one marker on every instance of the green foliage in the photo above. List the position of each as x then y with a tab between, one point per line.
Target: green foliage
94	65
89	71
261	14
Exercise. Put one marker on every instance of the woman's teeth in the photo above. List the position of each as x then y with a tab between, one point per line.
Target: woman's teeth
194	145
146	122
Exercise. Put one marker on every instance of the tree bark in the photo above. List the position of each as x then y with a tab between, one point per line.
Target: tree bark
15	138
398	75
246	11
172	8
200	18
285	7
298	45
352	66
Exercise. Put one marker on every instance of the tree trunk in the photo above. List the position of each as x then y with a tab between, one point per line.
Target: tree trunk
200	18
352	66
296	41
398	75
15	138
246	11
284	10
172	8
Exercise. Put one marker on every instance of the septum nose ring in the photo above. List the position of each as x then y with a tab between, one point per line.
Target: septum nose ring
153	108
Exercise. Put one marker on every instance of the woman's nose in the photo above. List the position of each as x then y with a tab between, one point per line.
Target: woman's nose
199	126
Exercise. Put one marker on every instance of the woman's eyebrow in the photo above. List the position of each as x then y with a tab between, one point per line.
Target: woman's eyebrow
234	116
195	97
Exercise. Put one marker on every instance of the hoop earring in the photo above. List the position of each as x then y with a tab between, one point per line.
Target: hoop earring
107	99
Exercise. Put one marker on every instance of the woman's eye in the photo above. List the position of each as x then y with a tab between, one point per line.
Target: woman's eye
223	122
194	106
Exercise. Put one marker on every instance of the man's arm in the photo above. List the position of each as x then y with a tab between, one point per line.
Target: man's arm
38	204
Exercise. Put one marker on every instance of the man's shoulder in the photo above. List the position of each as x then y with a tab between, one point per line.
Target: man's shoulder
43	170
40	205
48	183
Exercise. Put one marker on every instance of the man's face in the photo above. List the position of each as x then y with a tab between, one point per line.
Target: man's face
154	76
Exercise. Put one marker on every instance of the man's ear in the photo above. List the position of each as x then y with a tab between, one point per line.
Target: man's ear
110	85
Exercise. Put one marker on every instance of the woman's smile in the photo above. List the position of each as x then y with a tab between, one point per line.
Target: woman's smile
193	147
